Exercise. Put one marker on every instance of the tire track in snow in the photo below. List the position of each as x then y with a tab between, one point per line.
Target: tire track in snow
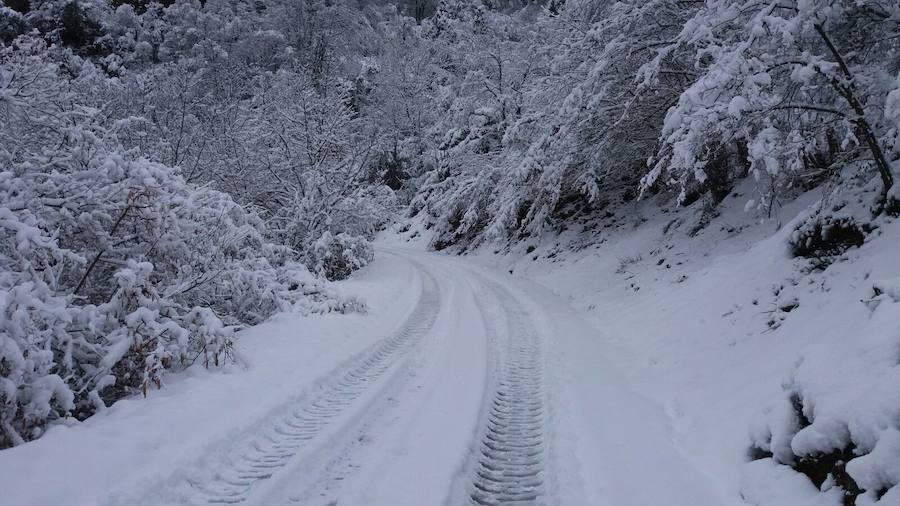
286	436
507	468
418	426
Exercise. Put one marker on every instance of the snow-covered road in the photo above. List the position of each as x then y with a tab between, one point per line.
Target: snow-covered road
462	386
447	408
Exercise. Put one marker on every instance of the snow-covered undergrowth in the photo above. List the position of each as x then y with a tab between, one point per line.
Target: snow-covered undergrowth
335	256
778	374
594	116
113	268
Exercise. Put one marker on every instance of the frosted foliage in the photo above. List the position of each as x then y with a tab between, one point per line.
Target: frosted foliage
791	84
113	268
597	103
336	256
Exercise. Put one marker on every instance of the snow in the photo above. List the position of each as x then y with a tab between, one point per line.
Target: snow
421	427
181	185
737	106
644	404
700	344
139	442
889	287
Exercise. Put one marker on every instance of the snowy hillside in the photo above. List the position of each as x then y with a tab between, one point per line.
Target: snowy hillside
757	366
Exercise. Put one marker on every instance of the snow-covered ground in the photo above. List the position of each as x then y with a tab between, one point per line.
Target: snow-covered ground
639	370
139	444
701	343
484	377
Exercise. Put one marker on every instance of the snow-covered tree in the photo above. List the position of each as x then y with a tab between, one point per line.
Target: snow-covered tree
799	88
113	268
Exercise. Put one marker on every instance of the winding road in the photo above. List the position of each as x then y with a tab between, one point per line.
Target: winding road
450	408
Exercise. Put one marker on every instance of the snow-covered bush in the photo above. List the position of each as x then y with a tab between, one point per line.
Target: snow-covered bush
825	236
139	332
458	205
336	256
12	24
36	347
841	220
113	268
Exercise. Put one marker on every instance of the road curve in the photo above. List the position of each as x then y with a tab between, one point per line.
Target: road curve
450	408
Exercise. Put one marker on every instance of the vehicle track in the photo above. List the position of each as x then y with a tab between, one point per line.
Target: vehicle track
286	436
508	466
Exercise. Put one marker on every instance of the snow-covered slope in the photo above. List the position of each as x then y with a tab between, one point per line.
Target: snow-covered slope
734	347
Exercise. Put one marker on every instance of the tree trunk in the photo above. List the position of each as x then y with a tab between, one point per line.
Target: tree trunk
847	91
